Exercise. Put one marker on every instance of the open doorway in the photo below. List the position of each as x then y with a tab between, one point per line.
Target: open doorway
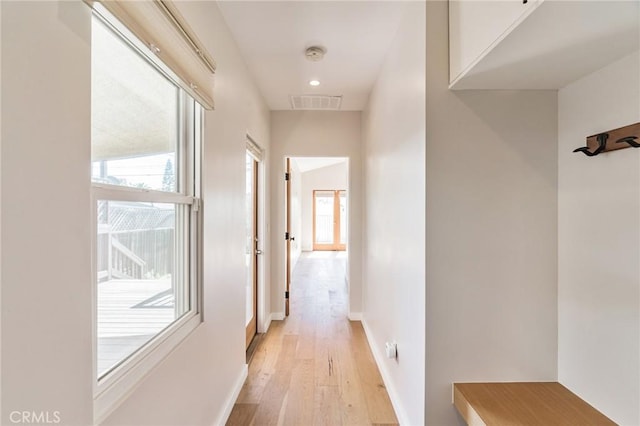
316	213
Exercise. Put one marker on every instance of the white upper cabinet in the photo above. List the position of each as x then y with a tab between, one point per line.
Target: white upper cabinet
543	44
475	26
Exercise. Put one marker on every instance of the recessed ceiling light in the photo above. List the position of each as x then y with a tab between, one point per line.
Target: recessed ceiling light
314	83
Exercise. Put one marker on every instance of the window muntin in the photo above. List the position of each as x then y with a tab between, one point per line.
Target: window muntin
145	134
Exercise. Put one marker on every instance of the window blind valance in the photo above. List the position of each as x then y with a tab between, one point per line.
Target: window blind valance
159	25
254	149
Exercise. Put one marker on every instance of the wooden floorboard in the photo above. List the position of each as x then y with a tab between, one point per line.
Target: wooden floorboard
242	414
130	313
315	367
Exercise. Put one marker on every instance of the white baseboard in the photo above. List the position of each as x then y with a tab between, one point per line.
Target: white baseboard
277	316
380	358
265	325
355	316
237	387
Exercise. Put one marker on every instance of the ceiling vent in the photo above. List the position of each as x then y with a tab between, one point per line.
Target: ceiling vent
321	102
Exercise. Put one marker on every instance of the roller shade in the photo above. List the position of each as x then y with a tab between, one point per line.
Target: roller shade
159	25
254	149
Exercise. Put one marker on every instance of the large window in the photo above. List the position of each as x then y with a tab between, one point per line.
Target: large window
145	166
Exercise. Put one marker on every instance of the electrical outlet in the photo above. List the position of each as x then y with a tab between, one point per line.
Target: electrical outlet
392	350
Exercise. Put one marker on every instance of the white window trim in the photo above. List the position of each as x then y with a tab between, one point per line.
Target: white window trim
113	388
103	191
111	391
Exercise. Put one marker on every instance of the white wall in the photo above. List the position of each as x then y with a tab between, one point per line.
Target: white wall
491	257
46	240
329	177
599	245
394	291
315	134
46	263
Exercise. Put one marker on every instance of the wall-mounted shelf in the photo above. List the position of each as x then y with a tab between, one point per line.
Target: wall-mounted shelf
549	44
524	403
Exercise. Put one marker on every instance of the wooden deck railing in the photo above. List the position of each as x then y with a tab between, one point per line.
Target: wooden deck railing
125	264
135	254
116	261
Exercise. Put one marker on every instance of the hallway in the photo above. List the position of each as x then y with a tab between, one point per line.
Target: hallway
483	244
315	367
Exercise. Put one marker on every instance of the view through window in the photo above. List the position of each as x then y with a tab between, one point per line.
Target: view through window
144	153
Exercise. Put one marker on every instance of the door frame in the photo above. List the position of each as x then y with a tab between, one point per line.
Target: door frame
263	317
283	261
287	282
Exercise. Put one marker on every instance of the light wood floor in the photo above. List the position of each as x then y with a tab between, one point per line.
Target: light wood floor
315	367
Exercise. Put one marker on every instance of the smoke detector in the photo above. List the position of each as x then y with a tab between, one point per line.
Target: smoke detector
315	53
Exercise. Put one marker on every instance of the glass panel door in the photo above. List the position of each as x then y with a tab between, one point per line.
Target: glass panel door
324	220
329	220
251	248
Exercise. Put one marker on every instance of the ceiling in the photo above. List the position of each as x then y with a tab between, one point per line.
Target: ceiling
273	37
306	164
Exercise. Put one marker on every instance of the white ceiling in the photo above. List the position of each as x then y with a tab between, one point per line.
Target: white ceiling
306	164
273	36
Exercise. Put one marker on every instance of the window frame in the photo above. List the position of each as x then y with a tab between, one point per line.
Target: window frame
111	389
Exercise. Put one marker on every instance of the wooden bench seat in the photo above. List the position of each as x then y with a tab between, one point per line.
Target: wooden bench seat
523	404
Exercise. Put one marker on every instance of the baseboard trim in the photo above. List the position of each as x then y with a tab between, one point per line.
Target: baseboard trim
277	316
266	324
379	357
237	387
355	316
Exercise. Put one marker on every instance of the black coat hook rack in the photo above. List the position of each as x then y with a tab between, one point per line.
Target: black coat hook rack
624	137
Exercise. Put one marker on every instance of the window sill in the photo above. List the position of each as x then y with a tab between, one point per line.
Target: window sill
116	386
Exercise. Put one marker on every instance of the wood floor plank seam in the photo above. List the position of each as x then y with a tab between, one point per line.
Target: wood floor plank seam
315	367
